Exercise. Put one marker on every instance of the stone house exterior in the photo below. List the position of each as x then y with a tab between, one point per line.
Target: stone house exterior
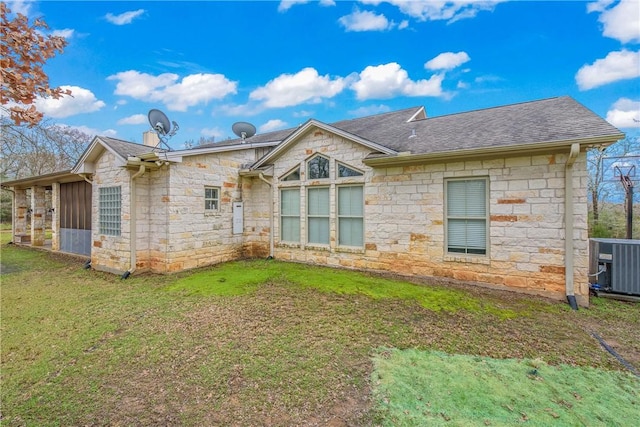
486	196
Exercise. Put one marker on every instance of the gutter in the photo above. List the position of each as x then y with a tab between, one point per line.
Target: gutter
568	225
407	158
271	244
133	222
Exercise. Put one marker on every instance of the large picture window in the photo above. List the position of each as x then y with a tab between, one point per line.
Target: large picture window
318	215
466	215
290	215
110	209
350	216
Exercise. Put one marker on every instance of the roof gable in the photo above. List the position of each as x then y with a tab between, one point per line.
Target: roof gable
119	148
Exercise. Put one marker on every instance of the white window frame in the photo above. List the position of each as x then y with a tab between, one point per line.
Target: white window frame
468	251
110	210
313	215
340	217
214	200
284	215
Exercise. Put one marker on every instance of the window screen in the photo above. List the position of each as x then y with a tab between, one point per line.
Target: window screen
467	216
350	216
290	215
318	215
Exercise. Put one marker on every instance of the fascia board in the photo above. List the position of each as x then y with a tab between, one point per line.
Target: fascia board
176	156
284	145
551	147
90	155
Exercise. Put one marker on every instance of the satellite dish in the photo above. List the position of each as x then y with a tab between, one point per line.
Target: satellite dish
162	127
159	122
243	130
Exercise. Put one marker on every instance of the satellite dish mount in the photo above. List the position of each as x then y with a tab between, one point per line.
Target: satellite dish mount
162	127
244	130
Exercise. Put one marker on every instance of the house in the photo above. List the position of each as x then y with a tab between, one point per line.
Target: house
486	197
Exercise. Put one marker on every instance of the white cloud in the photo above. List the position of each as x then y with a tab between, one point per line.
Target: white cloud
447	61
212	132
274	124
67	33
287	4
124	18
404	24
365	21
136	119
176	95
620	22
625	113
436	10
389	80
615	66
81	101
23	7
370	110
93	131
306	86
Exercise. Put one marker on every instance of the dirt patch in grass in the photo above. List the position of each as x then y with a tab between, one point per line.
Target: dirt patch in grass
86	348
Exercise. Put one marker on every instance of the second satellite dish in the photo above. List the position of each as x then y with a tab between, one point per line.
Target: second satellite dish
243	130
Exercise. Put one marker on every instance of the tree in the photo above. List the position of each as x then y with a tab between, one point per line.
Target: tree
23	52
600	188
40	149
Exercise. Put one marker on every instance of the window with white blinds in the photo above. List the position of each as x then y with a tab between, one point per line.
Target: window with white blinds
466	215
351	215
290	215
318	215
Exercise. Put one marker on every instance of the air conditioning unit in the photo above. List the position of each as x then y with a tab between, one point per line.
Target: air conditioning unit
614	265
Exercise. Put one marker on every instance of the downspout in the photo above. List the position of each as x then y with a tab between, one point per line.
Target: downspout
261	176
568	226
133	224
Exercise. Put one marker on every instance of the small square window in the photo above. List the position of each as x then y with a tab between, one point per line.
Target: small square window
211	199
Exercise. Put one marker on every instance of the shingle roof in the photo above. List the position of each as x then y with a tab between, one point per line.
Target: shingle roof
548	120
544	121
126	149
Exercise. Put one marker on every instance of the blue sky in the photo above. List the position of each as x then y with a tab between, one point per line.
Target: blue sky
275	64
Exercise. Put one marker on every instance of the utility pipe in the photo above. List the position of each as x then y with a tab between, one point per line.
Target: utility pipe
270	184
133	223
568	226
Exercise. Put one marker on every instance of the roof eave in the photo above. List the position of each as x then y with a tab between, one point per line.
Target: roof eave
176	156
43	180
539	148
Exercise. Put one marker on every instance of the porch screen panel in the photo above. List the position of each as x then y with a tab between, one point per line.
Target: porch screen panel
75	217
318	215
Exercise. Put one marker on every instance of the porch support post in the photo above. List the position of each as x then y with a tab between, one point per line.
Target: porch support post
20	206
37	215
55	216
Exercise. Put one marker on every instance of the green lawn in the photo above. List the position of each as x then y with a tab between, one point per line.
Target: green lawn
273	343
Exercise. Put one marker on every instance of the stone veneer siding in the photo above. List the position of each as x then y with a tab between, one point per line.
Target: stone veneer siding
404	219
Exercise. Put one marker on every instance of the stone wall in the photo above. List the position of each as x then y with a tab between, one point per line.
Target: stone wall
111	253
194	237
404	219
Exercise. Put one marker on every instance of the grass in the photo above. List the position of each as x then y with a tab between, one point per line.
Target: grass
260	343
477	391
